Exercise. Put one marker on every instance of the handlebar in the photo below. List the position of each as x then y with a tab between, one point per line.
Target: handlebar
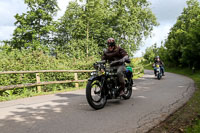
101	62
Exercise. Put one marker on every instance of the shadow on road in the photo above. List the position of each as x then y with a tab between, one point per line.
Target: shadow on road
25	117
68	95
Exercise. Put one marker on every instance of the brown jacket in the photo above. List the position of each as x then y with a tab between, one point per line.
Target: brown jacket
117	54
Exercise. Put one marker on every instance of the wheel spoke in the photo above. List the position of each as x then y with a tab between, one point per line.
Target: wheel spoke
96	92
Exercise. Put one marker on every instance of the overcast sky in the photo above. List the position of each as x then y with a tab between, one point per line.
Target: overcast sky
166	12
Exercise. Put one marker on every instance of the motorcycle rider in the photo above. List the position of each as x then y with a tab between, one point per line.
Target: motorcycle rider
160	63
117	57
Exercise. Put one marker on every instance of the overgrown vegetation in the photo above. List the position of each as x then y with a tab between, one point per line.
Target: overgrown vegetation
24	60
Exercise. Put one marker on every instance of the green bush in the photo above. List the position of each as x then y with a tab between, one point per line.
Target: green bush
27	60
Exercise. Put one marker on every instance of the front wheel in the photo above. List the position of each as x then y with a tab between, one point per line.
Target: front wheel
159	76
95	95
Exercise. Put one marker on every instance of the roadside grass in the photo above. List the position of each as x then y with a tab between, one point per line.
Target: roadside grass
187	118
31	93
138	76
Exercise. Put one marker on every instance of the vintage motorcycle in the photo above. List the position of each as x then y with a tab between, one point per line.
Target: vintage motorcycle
158	72
103	84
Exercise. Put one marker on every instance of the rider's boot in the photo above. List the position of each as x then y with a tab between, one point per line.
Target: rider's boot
121	89
155	73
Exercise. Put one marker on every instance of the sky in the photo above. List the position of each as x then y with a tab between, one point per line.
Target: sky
166	12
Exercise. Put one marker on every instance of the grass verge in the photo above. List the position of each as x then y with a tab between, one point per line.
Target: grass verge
31	94
187	118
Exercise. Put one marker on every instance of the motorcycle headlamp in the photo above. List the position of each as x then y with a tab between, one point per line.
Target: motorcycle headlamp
93	73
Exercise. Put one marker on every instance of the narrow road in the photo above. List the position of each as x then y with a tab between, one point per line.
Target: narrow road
152	101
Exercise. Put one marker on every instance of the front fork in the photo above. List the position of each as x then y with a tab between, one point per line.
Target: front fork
103	86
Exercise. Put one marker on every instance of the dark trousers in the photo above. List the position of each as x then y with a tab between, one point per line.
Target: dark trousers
162	69
120	73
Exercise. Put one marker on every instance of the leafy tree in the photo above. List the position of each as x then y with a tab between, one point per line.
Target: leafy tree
132	21
183	43
150	53
84	24
34	28
96	20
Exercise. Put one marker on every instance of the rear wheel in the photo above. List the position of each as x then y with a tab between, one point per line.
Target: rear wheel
127	90
94	95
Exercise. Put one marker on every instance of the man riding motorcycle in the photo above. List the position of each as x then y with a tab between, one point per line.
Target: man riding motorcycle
160	63
117	56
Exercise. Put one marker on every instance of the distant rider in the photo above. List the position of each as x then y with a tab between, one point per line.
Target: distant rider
117	57
160	63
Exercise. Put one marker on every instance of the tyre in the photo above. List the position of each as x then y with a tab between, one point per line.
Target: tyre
158	76
127	90
94	94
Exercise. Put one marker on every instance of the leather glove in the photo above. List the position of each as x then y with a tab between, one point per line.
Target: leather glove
121	60
125	59
113	63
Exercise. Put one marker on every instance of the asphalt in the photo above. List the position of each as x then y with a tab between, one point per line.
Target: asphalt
152	101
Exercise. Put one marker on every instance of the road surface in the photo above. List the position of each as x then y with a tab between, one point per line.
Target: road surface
152	101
